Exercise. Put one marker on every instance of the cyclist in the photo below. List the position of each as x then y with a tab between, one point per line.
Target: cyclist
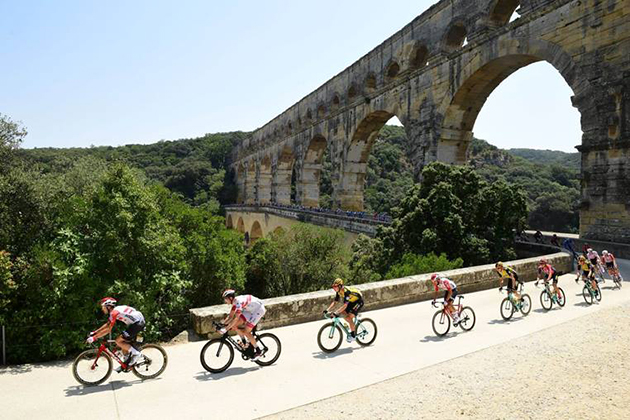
444	283
246	313
352	302
509	274
548	272
611	263
593	257
129	316
588	272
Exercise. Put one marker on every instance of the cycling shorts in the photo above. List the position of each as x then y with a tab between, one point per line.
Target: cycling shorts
354	307
610	265
132	331
594	262
453	296
253	318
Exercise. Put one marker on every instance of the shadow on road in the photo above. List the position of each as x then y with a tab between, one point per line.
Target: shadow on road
79	390
26	368
584	304
207	376
322	355
542	311
435	338
515	318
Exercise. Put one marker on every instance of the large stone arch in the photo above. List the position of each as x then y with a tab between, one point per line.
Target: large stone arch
240	225
228	222
256	232
311	170
281	184
349	192
479	78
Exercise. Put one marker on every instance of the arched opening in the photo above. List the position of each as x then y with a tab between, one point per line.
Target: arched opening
240	225
321	111
418	57
311	171
488	102
294	182
392	70
264	181
352	92
281	185
354	179
250	183
504	12
455	37
309	116
370	82
228	222
336	102
279	231
256	232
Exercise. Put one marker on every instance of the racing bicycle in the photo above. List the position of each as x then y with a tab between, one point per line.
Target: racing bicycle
330	334
589	293
549	296
93	366
510	305
218	354
442	319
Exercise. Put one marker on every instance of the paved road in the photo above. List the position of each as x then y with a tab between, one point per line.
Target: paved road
303	374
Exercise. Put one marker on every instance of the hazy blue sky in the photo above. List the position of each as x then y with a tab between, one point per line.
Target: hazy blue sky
81	73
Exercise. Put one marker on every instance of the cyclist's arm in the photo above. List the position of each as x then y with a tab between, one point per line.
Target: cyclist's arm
341	309
234	320
331	306
230	317
103	330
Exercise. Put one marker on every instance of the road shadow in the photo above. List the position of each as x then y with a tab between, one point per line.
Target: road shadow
542	311
323	355
434	338
515	318
26	368
205	376
80	390
584	304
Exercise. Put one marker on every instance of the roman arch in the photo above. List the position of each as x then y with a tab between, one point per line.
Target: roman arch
435	75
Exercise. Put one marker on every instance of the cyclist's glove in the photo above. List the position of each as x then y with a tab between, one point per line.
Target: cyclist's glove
90	340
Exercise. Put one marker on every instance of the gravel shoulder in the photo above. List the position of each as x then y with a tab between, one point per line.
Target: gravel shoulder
576	370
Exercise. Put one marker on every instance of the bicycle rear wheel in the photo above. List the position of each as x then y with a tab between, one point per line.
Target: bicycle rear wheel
329	337
562	299
526	304
586	294
366	332
545	300
618	280
153	361
441	323
598	294
467	318
216	355
91	369
507	309
271	349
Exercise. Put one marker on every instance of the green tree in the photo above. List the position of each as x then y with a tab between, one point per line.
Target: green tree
412	264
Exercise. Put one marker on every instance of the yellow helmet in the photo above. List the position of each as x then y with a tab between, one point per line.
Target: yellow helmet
499	264
337	282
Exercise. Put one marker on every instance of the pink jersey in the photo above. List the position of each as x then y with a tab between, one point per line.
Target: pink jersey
247	303
125	314
445	284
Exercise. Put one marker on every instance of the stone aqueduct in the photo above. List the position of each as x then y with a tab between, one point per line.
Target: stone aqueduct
435	75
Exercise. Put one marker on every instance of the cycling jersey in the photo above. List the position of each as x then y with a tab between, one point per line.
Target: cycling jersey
125	314
609	258
348	295
593	257
585	266
507	273
444	284
548	269
247	303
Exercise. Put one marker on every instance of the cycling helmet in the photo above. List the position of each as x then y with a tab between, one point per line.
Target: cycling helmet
435	276
589	250
604	252
582	258
499	264
543	261
108	301
228	293
337	282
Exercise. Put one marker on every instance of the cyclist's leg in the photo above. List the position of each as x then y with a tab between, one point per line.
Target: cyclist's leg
447	302
125	340
555	285
251	321
513	286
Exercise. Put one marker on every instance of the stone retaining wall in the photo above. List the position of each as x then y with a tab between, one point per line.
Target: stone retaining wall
305	307
620	250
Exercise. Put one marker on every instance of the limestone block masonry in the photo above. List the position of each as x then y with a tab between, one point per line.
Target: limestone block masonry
435	75
305	307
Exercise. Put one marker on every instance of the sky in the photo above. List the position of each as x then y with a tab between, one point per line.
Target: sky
82	73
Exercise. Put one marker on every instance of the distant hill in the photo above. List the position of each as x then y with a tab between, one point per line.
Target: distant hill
548	156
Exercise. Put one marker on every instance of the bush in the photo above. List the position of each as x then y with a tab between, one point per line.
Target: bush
413	264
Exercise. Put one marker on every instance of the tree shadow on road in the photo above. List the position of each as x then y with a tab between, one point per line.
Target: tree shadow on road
323	355
79	390
207	376
26	368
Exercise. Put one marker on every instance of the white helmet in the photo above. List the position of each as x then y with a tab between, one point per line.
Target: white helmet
604	252
229	293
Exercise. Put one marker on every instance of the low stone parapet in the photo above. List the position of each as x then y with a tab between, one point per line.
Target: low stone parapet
305	307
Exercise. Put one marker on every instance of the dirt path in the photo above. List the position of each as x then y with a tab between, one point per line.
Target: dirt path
576	370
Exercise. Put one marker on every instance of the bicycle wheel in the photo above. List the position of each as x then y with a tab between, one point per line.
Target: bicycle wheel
153	361
618	280
598	295
586	294
90	369
467	318
507	309
562	298
329	337
545	300
216	355
366	332
526	304
441	323
271	349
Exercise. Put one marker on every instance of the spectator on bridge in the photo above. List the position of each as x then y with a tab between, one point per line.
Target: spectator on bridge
538	237
567	244
554	240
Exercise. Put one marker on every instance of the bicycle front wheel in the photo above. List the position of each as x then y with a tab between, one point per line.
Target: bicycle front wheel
467	318
507	309
329	337
271	348
366	332
216	355
545	300
441	323
90	368
526	304
153	361
598	294
562	299
586	294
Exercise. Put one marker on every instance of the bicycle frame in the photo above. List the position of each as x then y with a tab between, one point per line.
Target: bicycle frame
337	322
457	308
229	339
104	348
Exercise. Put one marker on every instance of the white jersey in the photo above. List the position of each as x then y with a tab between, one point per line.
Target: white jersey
247	304
125	314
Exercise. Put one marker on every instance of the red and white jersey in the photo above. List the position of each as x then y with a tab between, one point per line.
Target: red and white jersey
125	314
247	303
609	258
444	284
